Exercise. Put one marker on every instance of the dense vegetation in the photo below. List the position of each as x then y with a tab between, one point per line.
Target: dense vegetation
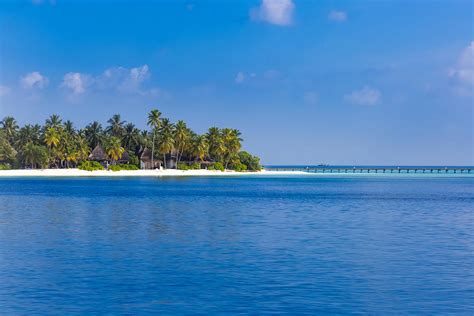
59	144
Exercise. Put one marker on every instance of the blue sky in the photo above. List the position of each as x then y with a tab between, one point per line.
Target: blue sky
340	82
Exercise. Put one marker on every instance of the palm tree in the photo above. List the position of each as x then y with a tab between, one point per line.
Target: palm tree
51	138
166	139
53	121
201	147
115	126
115	149
154	121
29	154
36	134
82	148
219	149
34	155
7	152
131	136
214	138
69	127
144	139
58	144
10	127
28	134
181	139
232	144
93	133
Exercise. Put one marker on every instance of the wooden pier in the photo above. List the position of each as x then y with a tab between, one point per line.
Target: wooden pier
365	169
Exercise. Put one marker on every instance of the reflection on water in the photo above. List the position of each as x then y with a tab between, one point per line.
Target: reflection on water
258	245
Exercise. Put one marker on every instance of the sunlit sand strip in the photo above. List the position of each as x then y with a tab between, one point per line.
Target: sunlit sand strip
132	173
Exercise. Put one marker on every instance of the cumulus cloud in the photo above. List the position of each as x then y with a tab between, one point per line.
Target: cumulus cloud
120	79
338	16
464	70
240	77
364	96
34	80
76	82
278	12
124	79
139	74
4	90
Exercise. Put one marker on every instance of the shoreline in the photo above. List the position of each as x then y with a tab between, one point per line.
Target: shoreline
134	173
198	173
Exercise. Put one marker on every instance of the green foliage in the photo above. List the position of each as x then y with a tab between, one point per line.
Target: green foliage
252	162
35	156
59	144
134	160
114	148
7	153
4	166
239	167
196	166
123	167
185	166
90	166
216	166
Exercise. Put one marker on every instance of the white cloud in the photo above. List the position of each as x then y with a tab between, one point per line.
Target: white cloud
364	96
240	77
124	79
311	97
4	90
338	16
464	71
34	80
119	79
139	74
279	12
76	82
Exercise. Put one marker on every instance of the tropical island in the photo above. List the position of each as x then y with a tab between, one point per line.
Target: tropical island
120	145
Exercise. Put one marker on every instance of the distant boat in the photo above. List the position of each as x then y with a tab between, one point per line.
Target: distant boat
323	165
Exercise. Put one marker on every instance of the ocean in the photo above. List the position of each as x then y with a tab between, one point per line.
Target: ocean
321	244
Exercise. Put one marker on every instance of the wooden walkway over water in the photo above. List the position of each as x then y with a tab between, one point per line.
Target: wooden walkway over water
366	169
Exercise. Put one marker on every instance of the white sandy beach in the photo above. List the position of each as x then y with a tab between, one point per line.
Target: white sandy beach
132	173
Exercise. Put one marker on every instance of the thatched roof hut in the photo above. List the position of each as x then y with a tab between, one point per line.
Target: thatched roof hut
145	154
145	160
98	154
125	158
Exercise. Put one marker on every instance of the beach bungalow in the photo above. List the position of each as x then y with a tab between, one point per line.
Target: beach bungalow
171	160
99	155
145	160
124	159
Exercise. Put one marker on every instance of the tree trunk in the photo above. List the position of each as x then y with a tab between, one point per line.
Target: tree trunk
153	150
178	156
164	160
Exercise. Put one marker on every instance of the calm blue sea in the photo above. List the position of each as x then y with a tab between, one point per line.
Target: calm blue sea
310	244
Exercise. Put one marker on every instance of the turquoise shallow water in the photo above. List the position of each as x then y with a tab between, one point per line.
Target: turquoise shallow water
309	244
